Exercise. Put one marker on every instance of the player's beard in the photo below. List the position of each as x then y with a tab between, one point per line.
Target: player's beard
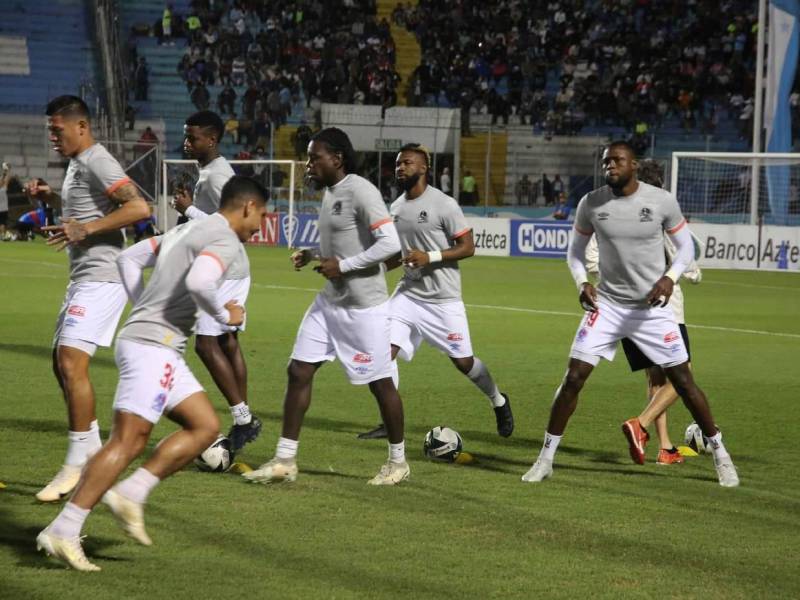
407	183
620	182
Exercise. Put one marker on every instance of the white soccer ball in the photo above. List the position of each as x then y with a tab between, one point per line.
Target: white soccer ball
695	440
217	458
442	443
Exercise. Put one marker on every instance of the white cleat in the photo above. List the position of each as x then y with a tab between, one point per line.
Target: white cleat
65	550
541	470
726	472
129	515
391	473
61	485
275	471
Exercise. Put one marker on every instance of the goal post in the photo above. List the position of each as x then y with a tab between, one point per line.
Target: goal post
738	187
283	179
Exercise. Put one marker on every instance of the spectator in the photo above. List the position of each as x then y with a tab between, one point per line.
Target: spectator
130	117
547	190
232	128
141	79
522	190
301	138
445	183
166	26
226	100
558	186
469	189
200	96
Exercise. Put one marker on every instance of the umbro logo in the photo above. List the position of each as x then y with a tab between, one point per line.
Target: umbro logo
645	215
603	216
337	208
423	217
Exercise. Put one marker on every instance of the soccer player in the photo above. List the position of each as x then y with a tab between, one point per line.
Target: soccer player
349	318
153	376
629	218
98	202
427	303
660	392
217	344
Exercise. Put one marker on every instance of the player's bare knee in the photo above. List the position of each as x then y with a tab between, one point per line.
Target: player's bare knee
72	367
573	381
300	373
203	345
463	364
382	389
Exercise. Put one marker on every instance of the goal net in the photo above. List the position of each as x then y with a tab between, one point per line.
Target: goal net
723	187
288	195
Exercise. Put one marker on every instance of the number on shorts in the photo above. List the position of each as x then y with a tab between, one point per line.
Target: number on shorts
169	375
592	318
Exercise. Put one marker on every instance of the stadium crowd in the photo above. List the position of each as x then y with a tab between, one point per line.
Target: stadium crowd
566	64
266	56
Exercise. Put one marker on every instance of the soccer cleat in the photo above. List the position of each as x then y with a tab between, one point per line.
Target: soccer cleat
541	470
240	435
129	515
669	457
378	433
504	417
637	439
65	550
61	485
274	471
726	472
391	473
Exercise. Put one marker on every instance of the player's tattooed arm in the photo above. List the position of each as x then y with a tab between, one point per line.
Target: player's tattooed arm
132	208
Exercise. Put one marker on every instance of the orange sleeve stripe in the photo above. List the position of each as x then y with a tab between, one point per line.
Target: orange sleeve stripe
581	231
215	257
460	233
380	223
677	227
116	185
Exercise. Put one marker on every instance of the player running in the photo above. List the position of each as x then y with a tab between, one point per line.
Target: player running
217	344
349	318
629	218
427	303
153	376
98	201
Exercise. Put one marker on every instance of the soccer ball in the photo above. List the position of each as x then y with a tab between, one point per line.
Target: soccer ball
695	440
442	443
217	458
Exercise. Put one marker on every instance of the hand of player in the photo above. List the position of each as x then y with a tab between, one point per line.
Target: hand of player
181	200
328	268
300	258
236	311
588	297
34	189
416	259
70	232
661	292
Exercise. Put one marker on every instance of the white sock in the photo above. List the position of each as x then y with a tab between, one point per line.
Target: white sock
79	448
94	429
717	447
395	375
397	452
549	446
286	448
479	375
241	413
138	486
69	522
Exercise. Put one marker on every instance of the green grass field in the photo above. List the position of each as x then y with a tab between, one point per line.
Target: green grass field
601	527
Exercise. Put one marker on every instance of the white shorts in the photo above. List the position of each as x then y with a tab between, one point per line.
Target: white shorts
152	379
358	337
231	289
90	313
443	326
654	330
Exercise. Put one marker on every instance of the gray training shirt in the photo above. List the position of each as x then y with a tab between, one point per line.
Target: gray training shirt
165	313
349	212
91	178
630	239
428	223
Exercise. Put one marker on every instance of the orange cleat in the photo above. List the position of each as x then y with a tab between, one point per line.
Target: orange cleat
637	439
669	457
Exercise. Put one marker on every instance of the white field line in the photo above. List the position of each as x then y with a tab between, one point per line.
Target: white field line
557	313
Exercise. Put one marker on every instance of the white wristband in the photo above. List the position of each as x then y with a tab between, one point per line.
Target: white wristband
435	256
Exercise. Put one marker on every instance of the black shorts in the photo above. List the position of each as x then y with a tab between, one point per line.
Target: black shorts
637	359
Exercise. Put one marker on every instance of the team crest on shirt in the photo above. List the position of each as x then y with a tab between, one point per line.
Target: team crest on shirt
337	208
603	216
645	215
422	217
